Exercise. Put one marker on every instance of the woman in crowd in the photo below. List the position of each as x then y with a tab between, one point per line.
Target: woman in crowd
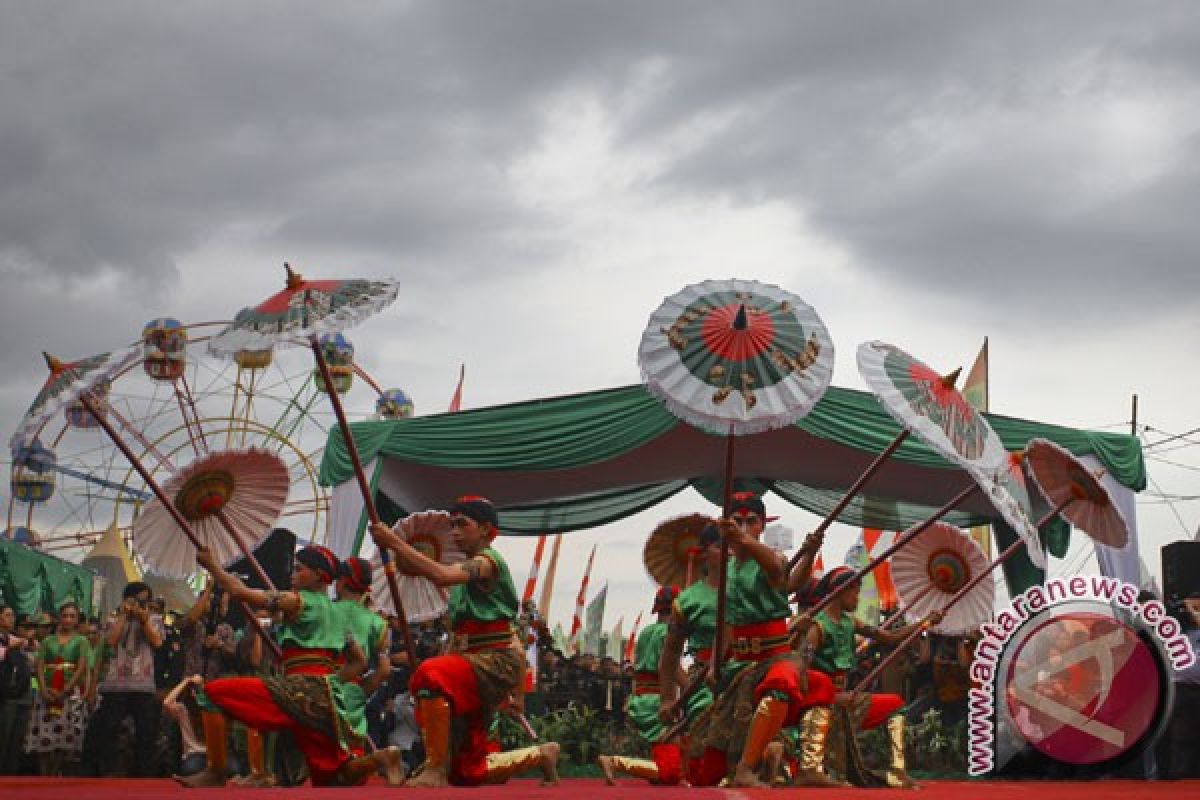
59	716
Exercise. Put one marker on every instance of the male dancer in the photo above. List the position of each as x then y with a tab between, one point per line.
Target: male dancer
308	697
694	623
643	708
830	645
370	633
487	672
766	685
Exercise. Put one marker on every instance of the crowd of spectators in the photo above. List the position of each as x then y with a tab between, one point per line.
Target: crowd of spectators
113	696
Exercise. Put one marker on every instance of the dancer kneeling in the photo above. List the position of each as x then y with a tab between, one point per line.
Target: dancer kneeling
472	684
643	706
767	686
830	643
307	699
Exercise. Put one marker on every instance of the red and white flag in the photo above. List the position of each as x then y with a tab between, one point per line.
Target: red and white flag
531	581
631	644
456	401
548	584
576	635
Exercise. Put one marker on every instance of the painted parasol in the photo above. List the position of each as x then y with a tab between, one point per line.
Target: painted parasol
1059	476
248	487
1009	494
1086	504
299	314
430	533
66	382
736	356
303	309
928	404
931	570
672	549
76	383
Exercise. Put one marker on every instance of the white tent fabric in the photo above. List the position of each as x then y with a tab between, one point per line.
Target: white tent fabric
1123	563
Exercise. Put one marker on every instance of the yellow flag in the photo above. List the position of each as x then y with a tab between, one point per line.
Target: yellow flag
975	390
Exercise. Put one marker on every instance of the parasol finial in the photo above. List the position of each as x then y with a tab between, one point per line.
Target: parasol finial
948	381
53	363
740	322
294	279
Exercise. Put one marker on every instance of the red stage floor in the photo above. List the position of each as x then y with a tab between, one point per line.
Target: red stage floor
98	789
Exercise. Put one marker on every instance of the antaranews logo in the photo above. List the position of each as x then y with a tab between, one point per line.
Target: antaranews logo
1078	669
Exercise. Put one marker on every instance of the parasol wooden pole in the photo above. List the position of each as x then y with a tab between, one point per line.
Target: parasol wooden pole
87	403
850	494
901	541
723	577
959	595
237	537
389	566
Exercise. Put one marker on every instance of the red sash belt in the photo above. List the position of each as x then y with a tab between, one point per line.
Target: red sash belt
645	683
704	655
58	679
494	635
761	640
309	661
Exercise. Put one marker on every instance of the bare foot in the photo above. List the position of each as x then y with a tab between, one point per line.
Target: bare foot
746	778
203	779
429	778
392	764
549	752
606	766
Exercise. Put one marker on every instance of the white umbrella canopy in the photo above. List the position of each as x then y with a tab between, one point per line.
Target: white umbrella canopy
247	487
1063	478
927	404
430	533
930	570
736	356
1009	494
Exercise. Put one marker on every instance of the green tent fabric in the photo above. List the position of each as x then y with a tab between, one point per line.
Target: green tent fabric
577	430
31	581
574	462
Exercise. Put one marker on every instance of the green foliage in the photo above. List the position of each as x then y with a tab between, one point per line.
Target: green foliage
581	734
932	748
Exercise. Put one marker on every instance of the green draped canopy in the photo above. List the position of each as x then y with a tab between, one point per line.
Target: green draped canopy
31	581
578	461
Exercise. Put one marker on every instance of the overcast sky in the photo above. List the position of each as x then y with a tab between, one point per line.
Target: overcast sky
539	175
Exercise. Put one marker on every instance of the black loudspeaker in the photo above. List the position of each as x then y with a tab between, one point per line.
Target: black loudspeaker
1181	570
276	554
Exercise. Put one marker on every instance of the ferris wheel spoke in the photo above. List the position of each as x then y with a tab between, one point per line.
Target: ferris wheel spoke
187	403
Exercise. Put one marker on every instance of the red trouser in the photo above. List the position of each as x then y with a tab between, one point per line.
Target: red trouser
669	760
452	677
882	707
249	701
784	677
708	769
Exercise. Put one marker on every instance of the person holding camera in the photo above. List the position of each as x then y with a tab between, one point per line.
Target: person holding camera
128	686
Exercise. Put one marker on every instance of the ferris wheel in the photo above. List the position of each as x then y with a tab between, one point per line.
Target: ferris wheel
178	404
